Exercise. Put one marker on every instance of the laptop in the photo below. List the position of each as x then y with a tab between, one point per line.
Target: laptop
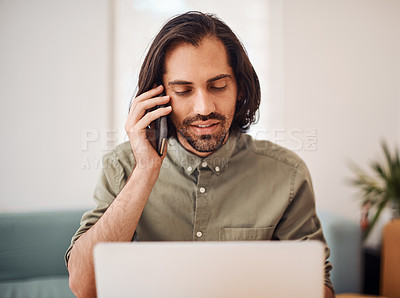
253	269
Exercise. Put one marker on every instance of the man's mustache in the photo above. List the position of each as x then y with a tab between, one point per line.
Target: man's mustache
187	121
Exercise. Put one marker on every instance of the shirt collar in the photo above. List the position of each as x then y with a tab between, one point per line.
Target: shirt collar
217	161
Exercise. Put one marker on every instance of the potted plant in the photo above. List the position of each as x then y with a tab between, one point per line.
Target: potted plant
380	188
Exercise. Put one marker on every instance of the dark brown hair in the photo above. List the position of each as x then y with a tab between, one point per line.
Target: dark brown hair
192	27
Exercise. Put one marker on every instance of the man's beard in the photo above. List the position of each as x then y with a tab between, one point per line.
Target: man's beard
206	142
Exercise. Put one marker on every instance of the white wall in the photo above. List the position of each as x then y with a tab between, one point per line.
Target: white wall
54	84
342	77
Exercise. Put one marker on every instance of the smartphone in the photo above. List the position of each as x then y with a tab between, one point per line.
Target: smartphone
158	131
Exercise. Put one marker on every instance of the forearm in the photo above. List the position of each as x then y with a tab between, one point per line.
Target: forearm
118	223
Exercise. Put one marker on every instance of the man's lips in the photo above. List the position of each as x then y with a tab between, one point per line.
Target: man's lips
204	127
204	123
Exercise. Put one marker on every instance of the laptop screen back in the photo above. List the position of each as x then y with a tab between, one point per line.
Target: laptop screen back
210	269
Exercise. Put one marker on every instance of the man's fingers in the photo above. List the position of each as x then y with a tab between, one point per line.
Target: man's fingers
149	94
153	115
140	116
132	127
152	102
145	96
142	107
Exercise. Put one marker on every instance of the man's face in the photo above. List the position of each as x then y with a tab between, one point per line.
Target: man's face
203	92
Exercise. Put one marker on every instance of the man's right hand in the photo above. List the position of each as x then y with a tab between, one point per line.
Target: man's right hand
136	125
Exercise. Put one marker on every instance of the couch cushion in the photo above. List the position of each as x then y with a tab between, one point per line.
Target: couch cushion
33	244
55	287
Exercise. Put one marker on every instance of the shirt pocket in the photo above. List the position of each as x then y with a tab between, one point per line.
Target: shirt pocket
245	234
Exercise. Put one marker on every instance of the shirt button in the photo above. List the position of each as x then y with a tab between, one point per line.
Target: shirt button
217	169
202	190
199	234
204	164
189	169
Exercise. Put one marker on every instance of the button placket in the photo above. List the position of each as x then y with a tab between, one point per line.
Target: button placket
202	205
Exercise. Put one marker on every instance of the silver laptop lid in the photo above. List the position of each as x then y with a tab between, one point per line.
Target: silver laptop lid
210	269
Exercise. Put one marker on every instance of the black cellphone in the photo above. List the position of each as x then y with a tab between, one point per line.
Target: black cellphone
158	131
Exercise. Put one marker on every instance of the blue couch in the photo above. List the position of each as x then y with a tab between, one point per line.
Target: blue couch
32	251
33	244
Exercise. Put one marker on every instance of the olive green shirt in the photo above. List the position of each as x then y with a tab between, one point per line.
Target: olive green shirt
247	190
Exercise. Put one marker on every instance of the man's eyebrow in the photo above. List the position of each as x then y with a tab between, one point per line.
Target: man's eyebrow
216	78
179	82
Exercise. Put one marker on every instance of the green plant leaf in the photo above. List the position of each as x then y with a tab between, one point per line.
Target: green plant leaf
381	186
381	206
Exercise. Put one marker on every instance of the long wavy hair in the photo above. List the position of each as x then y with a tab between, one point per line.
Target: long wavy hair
192	27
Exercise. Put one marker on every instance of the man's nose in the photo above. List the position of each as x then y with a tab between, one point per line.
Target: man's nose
203	103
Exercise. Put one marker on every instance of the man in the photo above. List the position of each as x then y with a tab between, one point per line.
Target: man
213	182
